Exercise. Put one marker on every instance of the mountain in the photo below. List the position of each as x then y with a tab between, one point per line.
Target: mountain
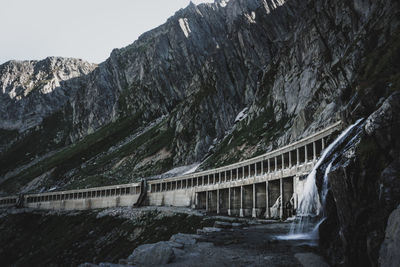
217	83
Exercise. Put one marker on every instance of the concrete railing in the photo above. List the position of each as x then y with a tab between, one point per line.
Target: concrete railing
286	161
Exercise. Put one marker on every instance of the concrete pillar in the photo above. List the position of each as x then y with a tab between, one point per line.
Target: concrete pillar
294	193
219	177
217	201
237	173
276	163
262	167
249	170
269	165
243	172
206	200
267	214
323	143
305	154
208	179
253	212
229	201
297	157
241	214
290	159
314	151
281	194
283	161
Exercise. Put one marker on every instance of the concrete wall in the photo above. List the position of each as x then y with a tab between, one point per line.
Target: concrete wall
83	204
178	198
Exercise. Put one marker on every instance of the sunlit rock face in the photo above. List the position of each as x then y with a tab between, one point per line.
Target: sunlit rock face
32	90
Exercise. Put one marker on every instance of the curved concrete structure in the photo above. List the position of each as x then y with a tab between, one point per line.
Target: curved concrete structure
261	186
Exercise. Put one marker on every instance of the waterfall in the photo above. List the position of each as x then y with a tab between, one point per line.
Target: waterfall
310	206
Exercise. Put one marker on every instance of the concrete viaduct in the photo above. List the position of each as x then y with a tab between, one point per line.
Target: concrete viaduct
265	186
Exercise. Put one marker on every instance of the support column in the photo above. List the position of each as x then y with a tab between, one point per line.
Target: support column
206	201
297	157
269	165
219	177
217	201
254	212
267	214
249	169
229	201
241	214
283	161
237	173
323	143
305	154
276	164
243	172
281	192
314	151
290	159
262	167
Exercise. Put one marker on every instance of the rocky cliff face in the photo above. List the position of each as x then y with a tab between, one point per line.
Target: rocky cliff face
33	90
215	84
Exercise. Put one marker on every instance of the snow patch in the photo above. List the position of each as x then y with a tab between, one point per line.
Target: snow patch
251	17
193	169
223	3
181	170
273	5
183	22
241	115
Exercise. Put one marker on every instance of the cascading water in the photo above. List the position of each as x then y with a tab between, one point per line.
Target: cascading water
310	206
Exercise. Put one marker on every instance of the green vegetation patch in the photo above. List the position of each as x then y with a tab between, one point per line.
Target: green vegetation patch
76	154
261	130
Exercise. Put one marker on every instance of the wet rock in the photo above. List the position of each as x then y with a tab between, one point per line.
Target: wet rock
184	239
208	230
152	254
390	250
237	225
223	225
311	259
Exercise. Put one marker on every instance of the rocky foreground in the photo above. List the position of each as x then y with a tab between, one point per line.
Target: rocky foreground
149	236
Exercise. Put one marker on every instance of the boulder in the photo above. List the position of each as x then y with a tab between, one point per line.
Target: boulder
389	255
184	239
223	225
152	254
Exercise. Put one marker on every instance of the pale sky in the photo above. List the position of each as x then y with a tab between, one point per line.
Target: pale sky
87	29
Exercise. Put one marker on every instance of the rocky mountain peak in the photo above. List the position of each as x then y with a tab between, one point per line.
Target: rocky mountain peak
23	85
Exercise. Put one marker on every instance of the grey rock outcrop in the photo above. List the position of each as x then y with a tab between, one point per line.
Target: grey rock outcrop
390	250
152	254
32	90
